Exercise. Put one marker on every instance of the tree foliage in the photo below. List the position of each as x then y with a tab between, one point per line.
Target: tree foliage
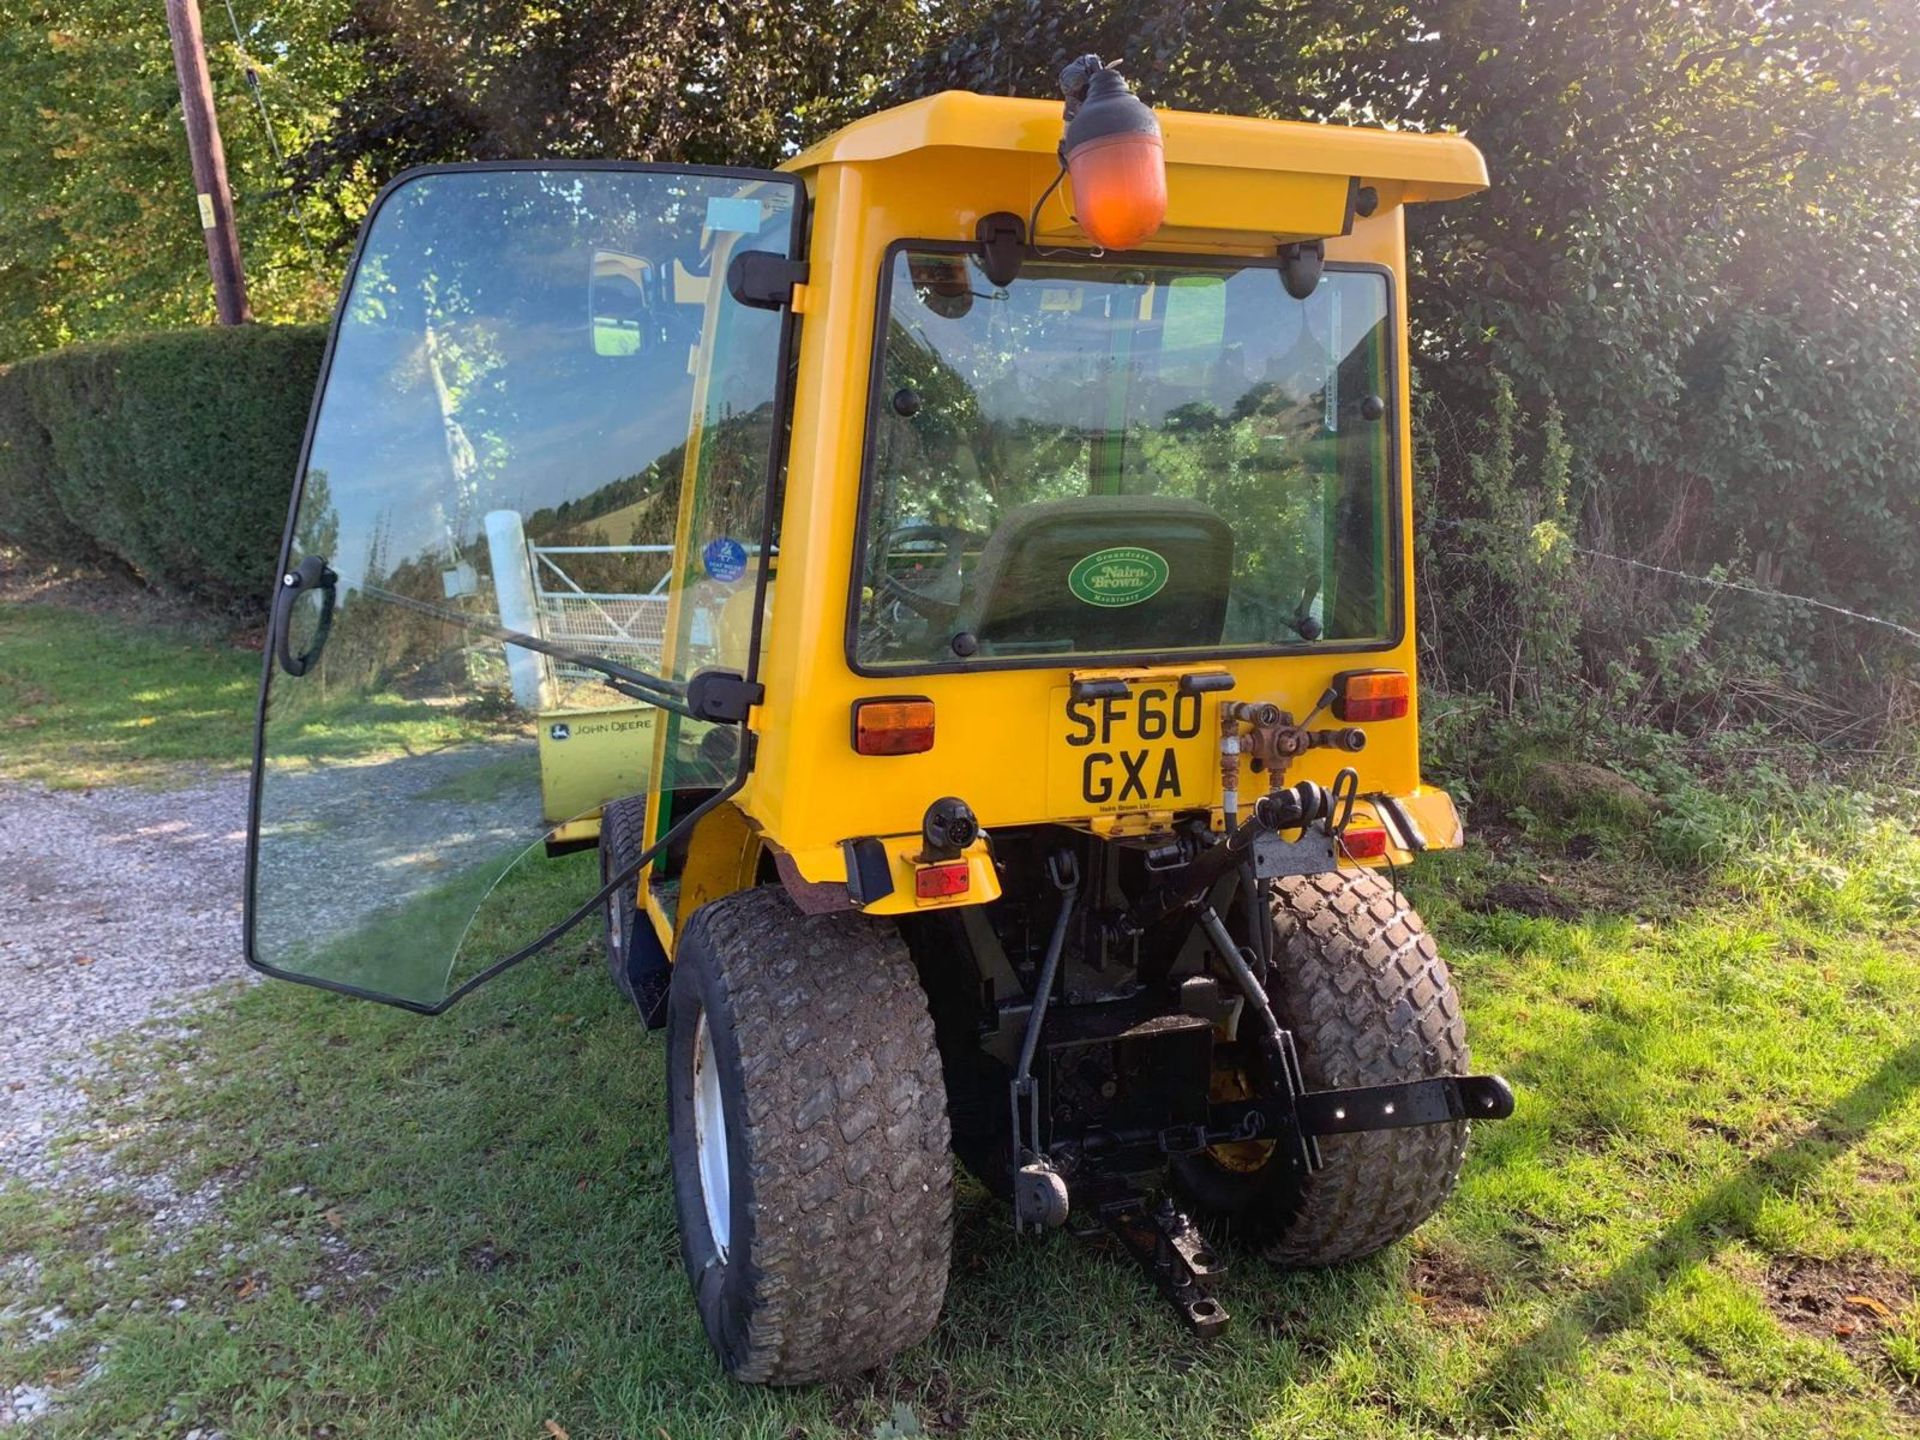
99	228
1702	243
490	79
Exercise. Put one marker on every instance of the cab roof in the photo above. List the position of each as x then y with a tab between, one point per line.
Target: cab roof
1415	167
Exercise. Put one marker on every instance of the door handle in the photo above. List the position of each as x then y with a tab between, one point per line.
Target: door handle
311	574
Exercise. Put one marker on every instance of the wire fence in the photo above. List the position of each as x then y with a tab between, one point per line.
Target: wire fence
1721	583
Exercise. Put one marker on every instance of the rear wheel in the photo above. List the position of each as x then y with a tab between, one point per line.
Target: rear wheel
1358	981
808	1129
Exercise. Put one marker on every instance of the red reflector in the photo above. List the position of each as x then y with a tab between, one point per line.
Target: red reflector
1369	844
1363	695
1361	711
935	882
892	727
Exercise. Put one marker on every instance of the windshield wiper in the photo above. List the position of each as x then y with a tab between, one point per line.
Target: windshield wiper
1303	623
635	684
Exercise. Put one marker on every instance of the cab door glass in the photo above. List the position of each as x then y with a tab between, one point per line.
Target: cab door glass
545	414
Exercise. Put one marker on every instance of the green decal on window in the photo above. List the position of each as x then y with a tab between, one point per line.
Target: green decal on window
1119	575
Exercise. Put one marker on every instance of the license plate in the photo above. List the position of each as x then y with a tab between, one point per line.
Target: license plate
1150	749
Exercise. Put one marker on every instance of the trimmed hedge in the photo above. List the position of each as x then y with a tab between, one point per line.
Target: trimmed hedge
30	513
172	452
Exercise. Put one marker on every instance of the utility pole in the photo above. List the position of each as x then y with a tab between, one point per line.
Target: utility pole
209	162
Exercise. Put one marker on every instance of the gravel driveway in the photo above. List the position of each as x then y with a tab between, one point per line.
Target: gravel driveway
118	905
115	906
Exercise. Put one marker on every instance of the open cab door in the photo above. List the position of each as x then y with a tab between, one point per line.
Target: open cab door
534	506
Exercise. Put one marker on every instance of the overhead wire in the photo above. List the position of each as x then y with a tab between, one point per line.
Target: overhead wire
253	84
266	119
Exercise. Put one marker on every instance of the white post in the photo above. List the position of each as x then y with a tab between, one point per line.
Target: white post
519	610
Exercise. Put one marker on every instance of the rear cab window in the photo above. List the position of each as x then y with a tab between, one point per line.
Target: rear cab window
1124	458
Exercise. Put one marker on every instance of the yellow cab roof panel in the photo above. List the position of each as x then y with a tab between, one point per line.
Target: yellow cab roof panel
1419	166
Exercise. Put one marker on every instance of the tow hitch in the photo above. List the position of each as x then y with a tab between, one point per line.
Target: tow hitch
1166	1244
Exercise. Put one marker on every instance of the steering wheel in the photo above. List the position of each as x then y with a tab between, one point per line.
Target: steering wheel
937	600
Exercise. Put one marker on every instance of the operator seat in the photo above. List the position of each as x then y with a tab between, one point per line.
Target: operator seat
1020	602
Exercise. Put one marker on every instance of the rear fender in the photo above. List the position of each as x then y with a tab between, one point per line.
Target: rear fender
723	856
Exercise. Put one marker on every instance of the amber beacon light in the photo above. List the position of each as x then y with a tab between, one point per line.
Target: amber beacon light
1114	156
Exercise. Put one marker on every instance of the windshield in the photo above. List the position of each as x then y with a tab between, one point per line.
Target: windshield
1109	458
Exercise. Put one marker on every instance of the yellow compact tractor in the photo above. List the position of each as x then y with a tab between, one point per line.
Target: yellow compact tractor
960	582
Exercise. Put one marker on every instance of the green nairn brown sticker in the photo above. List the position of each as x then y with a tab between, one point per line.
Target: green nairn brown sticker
1118	575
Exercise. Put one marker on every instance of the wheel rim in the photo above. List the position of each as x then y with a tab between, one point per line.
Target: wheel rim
616	931
1243	1157
710	1138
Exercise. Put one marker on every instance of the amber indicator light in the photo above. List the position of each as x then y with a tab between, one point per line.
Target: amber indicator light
892	727
1119	189
1363	695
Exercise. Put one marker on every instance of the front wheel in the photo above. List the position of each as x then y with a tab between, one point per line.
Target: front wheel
808	1128
622	824
1358	981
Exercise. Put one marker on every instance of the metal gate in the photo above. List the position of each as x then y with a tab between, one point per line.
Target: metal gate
627	626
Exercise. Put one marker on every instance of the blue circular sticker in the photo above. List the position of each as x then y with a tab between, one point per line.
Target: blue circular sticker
725	559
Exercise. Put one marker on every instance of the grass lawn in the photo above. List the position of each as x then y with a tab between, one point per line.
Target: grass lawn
1704	1219
91	699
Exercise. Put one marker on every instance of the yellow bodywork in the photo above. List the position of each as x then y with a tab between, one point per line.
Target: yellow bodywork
929	171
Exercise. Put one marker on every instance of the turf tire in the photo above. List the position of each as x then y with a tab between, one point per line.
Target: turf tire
840	1215
622	824
1358	981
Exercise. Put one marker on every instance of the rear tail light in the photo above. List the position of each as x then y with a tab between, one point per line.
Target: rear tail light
1363	695
937	882
1364	844
892	727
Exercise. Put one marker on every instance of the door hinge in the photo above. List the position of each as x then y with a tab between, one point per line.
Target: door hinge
764	280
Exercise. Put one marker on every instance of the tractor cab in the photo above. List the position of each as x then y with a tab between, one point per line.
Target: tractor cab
959	585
